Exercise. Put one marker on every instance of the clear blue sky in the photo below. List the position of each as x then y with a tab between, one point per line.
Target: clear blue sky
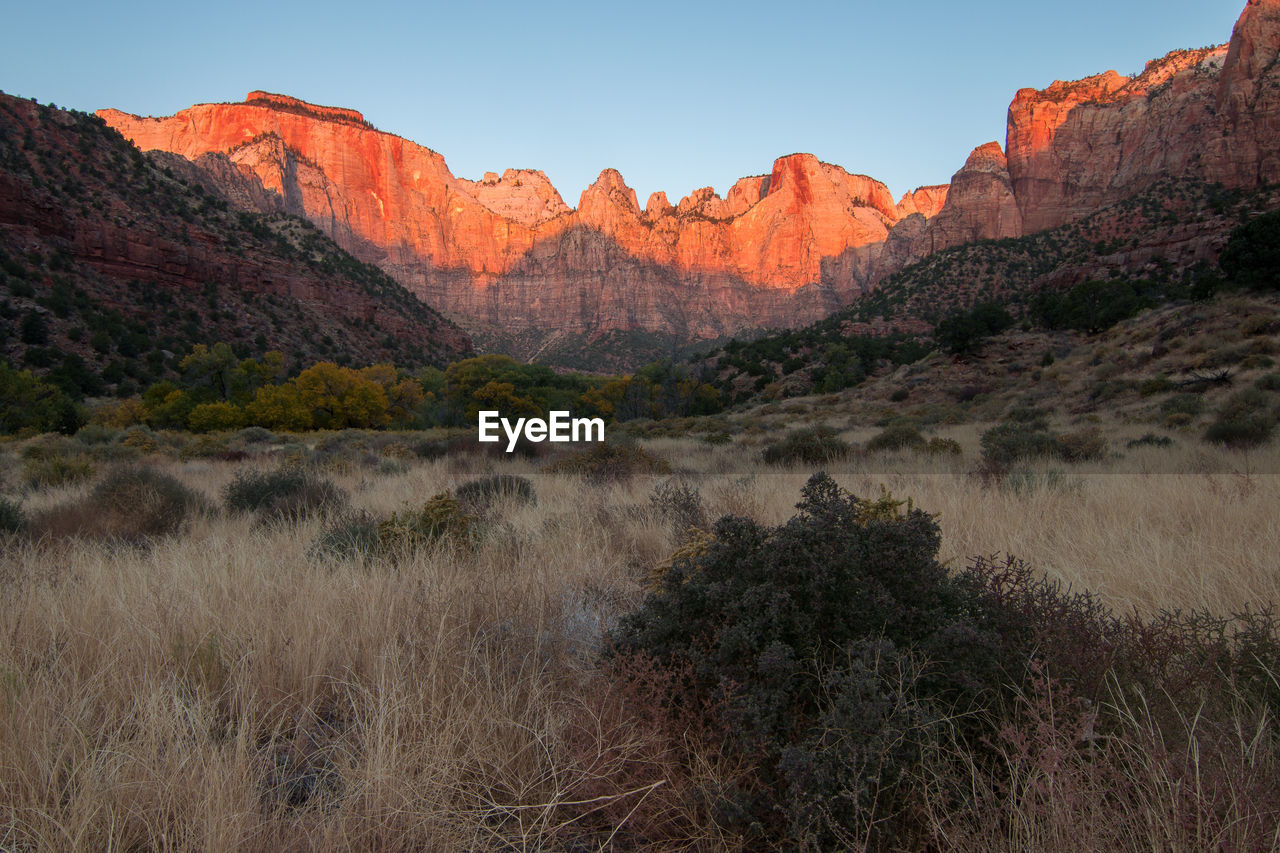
675	95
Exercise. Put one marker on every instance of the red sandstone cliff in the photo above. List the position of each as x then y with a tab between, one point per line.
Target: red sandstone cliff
133	234
1211	114
778	249
469	246
926	201
1073	148
980	204
1076	147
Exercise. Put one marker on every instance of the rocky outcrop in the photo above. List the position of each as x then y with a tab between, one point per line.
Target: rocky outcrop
1248	100
387	200
1211	114
744	194
507	250
525	196
152	238
980	204
1074	148
285	103
735	261
926	201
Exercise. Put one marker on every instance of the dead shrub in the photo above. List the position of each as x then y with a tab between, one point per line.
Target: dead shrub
609	461
130	505
642	775
289	493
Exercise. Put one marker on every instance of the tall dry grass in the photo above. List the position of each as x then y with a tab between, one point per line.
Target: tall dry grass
1187	527
224	690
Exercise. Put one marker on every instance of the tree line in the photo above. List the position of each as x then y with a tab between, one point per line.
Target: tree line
217	390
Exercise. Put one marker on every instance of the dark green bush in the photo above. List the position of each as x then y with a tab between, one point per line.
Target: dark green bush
443	518
209	446
609	461
486	490
344	450
1085	445
680	505
1183	404
33	329
1092	306
429	449
898	437
140	438
823	657
1109	389
1032	416
288	493
12	517
939	446
94	434
348	537
1252	255
158	503
343	442
1007	443
1150	440
1257	325
56	470
964	332
31	405
1247	419
256	435
1155	385
830	643
1026	437
391	467
131	505
1270	382
811	445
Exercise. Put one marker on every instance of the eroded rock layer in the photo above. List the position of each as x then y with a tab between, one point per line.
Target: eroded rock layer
779	249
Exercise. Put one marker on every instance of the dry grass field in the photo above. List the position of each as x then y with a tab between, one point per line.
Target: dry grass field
233	686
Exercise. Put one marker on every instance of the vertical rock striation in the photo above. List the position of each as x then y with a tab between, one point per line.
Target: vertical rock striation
778	249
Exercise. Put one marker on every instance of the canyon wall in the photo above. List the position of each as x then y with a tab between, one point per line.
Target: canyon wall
779	249
101	228
507	251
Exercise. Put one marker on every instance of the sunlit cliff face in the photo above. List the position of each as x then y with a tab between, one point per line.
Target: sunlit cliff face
378	189
508	249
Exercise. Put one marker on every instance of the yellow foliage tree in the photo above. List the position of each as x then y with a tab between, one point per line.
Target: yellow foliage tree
280	407
500	397
209	417
340	397
603	401
404	395
167	406
384	374
120	414
269	370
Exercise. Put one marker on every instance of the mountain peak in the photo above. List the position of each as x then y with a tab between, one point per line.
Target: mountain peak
610	185
288	104
507	248
988	158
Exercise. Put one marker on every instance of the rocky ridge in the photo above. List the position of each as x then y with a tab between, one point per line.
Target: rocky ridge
779	249
149	251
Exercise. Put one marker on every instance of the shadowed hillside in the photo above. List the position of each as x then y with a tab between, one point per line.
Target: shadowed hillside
113	264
